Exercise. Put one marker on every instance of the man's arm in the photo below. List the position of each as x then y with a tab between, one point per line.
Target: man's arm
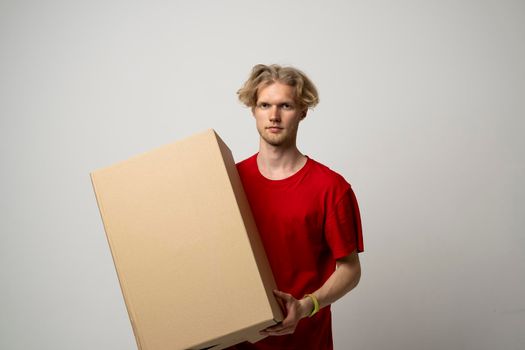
343	279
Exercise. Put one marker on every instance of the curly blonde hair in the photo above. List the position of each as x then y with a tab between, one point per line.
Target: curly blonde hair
306	95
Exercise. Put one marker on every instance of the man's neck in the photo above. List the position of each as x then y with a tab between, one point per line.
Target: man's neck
279	162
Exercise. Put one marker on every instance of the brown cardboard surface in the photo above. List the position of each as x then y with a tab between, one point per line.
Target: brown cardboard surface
188	256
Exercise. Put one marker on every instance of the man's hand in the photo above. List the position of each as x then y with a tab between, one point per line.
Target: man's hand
342	280
295	311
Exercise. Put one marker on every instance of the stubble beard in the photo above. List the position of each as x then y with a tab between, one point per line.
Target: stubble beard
276	140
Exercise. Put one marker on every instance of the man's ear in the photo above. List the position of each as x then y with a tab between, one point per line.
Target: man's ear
303	115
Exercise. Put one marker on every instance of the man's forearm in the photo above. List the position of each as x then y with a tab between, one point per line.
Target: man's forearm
343	279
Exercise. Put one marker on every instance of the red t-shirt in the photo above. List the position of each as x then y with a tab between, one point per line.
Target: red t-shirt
306	222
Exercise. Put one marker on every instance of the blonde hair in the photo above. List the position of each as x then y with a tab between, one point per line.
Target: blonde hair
306	95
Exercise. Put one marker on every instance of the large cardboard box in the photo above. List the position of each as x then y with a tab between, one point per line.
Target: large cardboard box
188	256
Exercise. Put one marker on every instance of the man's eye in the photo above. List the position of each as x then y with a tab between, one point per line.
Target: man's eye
264	105
287	106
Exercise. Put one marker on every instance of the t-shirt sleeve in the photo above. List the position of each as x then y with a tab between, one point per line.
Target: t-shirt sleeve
343	229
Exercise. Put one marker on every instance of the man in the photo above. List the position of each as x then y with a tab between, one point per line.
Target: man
307	214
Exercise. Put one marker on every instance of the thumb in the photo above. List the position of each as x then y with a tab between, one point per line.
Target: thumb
282	295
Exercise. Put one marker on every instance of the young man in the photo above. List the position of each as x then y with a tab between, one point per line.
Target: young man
307	214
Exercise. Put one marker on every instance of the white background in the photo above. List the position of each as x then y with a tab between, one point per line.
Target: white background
422	110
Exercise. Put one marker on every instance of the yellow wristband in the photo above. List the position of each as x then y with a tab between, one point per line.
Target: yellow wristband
316	304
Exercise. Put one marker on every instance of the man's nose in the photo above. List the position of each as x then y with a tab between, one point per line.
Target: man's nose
275	113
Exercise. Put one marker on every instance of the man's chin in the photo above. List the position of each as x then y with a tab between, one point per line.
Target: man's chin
281	142
276	140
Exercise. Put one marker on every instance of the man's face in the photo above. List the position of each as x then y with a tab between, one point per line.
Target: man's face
277	115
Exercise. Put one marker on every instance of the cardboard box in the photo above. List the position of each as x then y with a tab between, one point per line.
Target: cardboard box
188	256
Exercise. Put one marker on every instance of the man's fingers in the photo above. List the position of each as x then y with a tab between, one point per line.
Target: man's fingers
282	295
285	324
282	299
282	331
275	328
272	330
